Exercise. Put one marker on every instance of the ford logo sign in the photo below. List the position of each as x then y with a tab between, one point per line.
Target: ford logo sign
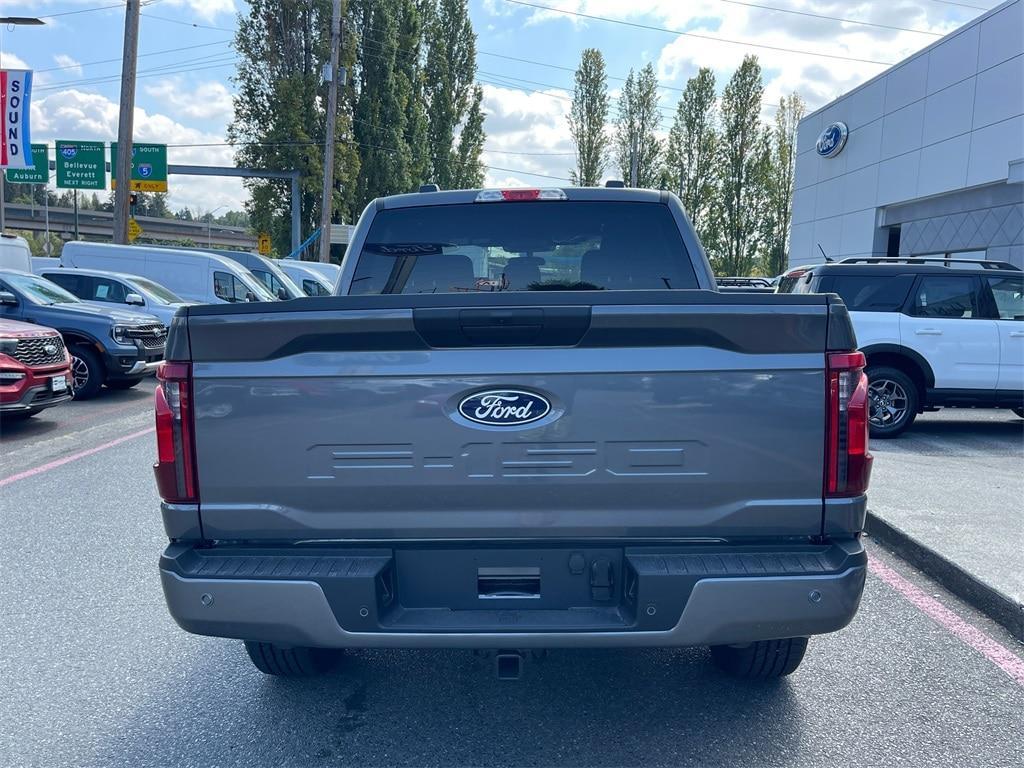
504	407
832	140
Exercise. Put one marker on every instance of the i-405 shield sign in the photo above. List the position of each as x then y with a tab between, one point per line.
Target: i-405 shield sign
149	167
15	98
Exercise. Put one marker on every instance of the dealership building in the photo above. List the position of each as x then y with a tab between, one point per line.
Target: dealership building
927	158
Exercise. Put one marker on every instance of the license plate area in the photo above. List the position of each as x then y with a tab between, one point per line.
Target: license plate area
519	578
59	384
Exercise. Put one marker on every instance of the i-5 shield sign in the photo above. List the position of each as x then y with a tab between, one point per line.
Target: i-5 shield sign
149	167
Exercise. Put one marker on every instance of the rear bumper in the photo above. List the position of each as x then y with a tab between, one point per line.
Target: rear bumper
677	598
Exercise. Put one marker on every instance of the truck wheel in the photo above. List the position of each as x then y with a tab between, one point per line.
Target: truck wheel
296	661
123	383
893	400
86	372
763	660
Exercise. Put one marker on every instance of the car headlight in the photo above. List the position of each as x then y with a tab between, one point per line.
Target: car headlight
121	334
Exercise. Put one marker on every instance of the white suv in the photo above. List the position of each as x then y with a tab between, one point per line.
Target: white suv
936	331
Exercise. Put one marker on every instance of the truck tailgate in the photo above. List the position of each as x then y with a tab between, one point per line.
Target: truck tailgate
669	418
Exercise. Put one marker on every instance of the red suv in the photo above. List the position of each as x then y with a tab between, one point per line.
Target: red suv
35	369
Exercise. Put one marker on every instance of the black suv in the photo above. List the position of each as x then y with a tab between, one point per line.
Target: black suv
936	331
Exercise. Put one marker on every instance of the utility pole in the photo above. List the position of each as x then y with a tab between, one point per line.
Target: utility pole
125	124
332	116
634	162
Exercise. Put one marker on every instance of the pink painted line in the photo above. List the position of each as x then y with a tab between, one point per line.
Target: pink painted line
992	650
73	457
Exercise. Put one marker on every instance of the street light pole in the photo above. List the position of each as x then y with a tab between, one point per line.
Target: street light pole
20	21
332	115
209	225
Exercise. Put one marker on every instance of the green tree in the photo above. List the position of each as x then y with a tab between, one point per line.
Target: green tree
639	120
743	160
279	112
691	152
414	15
587	118
781	172
380	111
452	100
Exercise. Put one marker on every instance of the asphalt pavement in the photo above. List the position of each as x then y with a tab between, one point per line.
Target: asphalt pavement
95	673
955	483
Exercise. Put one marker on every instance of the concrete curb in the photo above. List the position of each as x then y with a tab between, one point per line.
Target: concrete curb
990	601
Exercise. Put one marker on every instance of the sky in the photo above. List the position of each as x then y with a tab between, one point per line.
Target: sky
527	51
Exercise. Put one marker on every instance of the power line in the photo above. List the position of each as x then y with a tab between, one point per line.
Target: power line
96	8
699	36
825	17
118	60
962	5
188	23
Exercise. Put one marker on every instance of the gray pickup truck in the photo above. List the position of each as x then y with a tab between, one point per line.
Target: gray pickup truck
528	420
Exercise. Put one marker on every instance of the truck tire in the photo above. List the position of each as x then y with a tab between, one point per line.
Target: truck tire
763	660
87	372
893	401
296	661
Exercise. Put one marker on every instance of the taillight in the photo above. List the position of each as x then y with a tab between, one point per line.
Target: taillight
175	467
847	460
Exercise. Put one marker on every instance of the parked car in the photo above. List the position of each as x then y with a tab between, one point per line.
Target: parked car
15	253
936	331
526	420
195	276
35	369
311	281
107	288
110	346
269	272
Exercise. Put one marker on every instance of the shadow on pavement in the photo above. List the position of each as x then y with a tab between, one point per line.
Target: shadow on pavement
580	708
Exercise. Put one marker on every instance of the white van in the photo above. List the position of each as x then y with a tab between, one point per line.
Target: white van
195	276
15	253
329	270
311	281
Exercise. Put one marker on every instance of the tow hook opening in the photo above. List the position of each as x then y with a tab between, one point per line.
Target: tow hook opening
508	664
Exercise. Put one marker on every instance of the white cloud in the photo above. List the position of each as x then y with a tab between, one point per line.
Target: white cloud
207	101
78	115
68	64
12	61
207	10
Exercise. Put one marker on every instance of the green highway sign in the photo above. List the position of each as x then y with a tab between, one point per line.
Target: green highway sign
40	174
149	167
81	165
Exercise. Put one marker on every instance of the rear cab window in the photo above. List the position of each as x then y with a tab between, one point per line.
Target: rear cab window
534	246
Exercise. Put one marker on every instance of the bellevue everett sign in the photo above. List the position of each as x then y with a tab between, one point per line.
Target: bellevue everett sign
81	165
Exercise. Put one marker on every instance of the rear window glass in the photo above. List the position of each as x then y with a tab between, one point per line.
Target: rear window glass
877	293
523	247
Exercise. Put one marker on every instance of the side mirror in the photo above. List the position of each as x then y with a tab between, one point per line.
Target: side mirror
9	299
282	294
250	296
135	300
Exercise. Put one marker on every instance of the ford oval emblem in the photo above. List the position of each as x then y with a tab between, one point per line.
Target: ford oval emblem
50	349
504	407
832	140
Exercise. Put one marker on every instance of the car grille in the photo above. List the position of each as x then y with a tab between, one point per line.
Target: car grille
42	350
152	336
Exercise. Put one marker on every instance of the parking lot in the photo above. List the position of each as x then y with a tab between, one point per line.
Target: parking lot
96	673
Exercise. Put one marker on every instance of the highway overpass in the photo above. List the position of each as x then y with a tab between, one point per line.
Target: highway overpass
98	225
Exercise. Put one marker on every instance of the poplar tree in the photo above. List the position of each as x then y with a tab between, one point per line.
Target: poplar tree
781	172
587	119
743	160
691	152
639	120
453	102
